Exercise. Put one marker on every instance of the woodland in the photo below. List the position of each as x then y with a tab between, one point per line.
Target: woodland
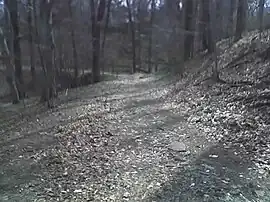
135	100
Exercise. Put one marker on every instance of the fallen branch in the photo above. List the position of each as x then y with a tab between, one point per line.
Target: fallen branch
240	83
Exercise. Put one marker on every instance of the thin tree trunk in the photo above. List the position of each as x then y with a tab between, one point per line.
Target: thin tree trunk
96	26
188	28
7	40
36	30
12	6
150	42
10	72
37	36
133	37
219	19
240	20
47	40
74	49
198	28
206	34
105	35
213	25
231	21
260	15
31	43
139	47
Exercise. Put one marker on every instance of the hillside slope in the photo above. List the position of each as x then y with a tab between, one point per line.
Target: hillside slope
235	112
146	138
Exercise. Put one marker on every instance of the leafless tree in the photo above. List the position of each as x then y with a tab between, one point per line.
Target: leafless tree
12	7
240	19
31	35
150	42
260	16
97	14
133	36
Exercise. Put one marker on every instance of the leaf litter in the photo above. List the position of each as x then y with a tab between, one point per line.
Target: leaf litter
115	142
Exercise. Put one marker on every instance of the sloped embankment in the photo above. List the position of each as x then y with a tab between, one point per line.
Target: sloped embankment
233	113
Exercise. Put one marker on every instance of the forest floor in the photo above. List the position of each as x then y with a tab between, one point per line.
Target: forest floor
136	138
147	137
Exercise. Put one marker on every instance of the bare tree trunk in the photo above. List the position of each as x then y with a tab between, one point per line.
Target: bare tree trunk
74	49
105	34
213	25
10	76
206	34
230	27
240	20
46	35
12	6
139	47
96	26
7	40
219	20
260	15
31	42
188	28
9	72
150	40
199	26
133	36
37	36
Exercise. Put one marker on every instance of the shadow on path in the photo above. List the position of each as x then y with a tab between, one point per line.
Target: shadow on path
220	173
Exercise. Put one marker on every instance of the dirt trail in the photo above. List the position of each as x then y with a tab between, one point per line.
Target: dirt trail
155	154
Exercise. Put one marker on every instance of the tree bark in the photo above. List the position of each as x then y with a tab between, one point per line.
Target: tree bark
12	6
150	40
7	40
139	30
240	20
213	25
96	26
260	15
230	26
31	42
105	34
199	27
73	41
188	28
206	34
133	36
46	36
10	71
